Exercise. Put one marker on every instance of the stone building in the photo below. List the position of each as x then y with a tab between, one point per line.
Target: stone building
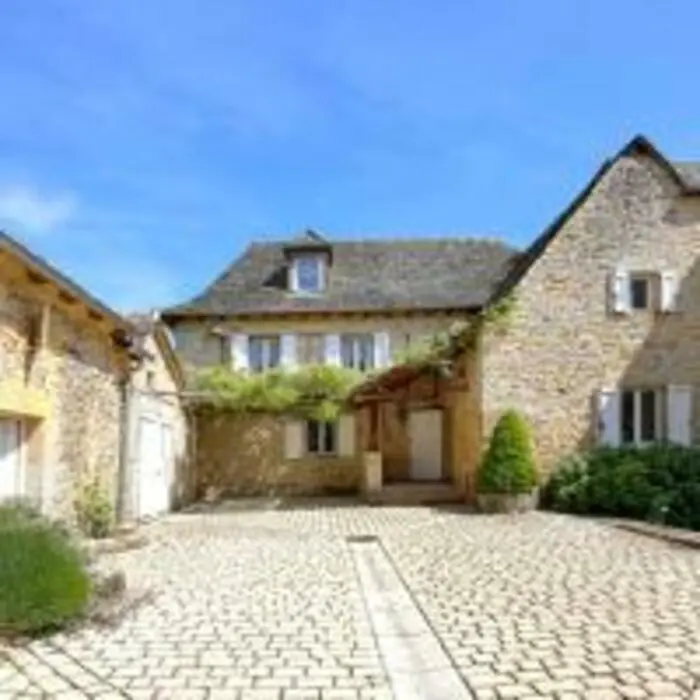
602	344
357	304
69	366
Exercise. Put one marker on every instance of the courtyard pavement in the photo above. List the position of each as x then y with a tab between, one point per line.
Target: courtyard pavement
280	604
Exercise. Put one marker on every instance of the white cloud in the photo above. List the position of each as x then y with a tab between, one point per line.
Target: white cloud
27	208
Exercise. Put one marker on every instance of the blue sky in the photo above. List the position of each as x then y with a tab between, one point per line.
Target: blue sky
144	144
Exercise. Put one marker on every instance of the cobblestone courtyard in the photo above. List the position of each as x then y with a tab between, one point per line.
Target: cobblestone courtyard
278	604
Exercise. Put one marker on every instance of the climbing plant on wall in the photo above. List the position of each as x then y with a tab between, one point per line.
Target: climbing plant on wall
316	392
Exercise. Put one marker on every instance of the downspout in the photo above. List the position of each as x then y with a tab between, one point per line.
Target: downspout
134	359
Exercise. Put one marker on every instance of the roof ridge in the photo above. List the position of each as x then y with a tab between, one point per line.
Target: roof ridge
492	239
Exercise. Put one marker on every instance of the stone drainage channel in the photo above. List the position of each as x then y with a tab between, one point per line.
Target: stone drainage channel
416	663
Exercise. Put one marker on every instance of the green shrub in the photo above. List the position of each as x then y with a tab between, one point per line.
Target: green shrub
43	580
508	464
93	510
660	483
566	488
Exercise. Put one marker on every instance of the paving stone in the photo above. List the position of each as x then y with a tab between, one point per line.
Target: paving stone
561	604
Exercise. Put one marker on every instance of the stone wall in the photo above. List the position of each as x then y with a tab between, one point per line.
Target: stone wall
243	455
198	346
564	344
73	371
86	427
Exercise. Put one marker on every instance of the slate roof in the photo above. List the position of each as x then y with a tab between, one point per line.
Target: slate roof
365	275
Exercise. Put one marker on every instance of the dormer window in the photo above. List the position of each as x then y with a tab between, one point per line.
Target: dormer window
308	274
308	257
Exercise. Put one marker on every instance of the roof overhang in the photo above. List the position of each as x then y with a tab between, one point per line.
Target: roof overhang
178	314
67	292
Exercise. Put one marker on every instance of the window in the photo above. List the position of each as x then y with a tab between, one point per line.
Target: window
309	274
321	438
640	288
644	290
357	351
640	415
263	352
183	337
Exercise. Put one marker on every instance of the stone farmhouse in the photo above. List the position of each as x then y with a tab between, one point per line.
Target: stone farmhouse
600	346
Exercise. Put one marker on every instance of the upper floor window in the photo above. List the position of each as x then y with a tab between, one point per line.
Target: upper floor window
263	352
639	290
357	351
308	274
183	337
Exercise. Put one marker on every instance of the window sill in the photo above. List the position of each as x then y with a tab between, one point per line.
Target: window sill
301	294
645	445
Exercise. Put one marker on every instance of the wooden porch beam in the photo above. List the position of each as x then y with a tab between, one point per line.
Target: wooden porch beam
45	325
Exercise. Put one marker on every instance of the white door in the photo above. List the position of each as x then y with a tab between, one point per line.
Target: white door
10	458
153	487
425	434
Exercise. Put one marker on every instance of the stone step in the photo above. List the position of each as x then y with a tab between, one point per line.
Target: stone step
418	493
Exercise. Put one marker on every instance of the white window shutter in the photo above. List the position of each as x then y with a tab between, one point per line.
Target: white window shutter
288	351
608	417
669	291
346	435
621	292
381	349
292	277
331	350
293	439
239	352
680	401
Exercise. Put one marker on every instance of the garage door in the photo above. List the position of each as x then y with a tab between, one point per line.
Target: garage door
153	471
10	458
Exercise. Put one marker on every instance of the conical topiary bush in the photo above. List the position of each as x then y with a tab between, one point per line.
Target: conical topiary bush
508	466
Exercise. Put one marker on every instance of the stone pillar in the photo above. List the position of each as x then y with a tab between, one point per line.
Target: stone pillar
373	478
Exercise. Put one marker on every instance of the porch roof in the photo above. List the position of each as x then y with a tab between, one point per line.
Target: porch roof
389	380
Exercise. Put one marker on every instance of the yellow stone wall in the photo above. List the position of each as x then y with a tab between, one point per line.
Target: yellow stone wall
60	376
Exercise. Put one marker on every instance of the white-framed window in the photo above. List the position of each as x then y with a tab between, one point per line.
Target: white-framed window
183	337
640	290
308	274
321	438
641	416
263	352
357	351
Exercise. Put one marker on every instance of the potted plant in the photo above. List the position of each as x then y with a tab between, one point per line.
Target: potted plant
507	478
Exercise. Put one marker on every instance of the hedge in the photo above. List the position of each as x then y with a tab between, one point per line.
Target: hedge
659	483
